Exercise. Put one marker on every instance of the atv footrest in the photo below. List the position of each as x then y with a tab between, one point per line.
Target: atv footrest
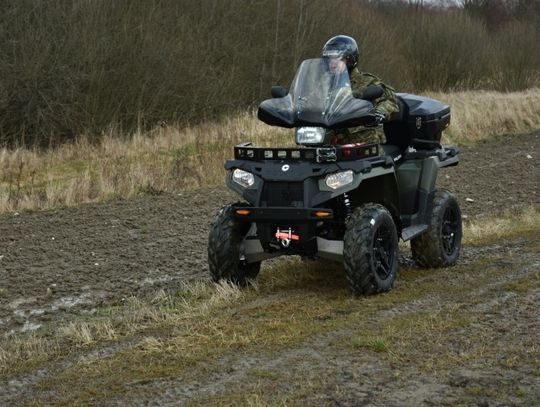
413	231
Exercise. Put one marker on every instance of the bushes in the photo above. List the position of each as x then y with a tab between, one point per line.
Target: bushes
77	67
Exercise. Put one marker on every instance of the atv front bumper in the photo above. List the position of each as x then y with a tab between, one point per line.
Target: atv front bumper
282	214
278	231
252	250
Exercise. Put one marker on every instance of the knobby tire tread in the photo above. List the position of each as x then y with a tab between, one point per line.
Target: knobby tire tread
427	249
223	255
357	251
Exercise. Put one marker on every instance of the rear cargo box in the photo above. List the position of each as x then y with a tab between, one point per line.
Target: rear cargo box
419	117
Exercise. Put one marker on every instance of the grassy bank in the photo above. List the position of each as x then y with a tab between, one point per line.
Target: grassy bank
481	115
187	334
170	158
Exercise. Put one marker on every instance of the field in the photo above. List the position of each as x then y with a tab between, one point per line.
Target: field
173	158
115	121
110	303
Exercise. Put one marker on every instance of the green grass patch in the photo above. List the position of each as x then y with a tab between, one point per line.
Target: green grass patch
374	344
523	285
264	374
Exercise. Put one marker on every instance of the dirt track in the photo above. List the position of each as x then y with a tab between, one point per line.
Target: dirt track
72	260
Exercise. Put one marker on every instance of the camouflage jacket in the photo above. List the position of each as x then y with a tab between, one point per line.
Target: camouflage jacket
386	104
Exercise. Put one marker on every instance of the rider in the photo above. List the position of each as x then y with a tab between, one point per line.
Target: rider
343	51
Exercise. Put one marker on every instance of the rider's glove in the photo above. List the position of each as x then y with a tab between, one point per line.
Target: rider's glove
378	118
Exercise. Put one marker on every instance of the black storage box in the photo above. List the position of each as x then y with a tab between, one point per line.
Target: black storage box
419	118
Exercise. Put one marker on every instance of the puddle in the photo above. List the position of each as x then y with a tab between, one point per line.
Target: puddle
16	303
30	326
70	302
29	318
159	280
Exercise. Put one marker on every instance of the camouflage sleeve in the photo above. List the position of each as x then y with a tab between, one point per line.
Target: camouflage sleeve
386	104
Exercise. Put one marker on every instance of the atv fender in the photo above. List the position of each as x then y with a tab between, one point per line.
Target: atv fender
416	177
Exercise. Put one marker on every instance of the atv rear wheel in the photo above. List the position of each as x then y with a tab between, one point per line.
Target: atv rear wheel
224	249
370	250
439	246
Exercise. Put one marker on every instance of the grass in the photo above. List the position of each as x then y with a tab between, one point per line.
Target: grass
165	159
172	159
375	344
186	334
481	115
508	224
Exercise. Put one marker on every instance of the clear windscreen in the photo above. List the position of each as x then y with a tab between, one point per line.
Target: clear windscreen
320	88
320	95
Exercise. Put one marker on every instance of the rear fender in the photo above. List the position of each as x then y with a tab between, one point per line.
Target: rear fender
417	181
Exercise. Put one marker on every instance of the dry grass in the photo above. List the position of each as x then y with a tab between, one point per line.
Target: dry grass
194	302
171	159
84	334
165	159
510	223
480	115
27	348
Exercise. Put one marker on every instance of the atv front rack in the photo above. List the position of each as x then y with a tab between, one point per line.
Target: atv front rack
348	152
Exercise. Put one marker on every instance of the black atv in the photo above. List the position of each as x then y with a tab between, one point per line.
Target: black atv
348	203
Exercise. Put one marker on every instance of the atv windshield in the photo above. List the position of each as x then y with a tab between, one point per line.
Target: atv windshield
320	95
320	88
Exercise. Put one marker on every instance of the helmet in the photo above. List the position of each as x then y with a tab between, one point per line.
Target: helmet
342	46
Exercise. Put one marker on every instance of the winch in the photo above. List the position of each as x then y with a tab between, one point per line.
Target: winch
285	236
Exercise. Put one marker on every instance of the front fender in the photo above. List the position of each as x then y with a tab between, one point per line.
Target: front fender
250	194
326	193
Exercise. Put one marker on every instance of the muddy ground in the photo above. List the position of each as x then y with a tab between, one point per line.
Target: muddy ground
74	260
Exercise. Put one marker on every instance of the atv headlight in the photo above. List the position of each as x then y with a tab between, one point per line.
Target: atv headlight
309	135
244	178
339	179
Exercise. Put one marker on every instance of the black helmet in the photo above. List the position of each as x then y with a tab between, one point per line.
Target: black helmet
342	46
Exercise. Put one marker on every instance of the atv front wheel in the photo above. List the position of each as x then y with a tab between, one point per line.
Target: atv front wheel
370	250
224	249
439	246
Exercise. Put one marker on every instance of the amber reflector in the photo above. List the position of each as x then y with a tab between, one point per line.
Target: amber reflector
322	214
243	211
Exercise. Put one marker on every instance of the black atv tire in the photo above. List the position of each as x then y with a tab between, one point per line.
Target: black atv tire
440	244
224	241
370	250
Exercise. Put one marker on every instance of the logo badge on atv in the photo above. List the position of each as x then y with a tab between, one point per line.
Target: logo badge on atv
285	168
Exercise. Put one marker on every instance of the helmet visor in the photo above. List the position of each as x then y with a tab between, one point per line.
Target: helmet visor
333	53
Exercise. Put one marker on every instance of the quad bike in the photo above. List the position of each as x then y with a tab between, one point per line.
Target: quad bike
348	203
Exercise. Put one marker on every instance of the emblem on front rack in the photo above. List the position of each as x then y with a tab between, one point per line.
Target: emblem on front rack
285	168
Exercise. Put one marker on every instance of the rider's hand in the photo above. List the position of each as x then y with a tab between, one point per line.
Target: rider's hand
378	118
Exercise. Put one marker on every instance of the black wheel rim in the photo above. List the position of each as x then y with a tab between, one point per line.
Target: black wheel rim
383	251
450	230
